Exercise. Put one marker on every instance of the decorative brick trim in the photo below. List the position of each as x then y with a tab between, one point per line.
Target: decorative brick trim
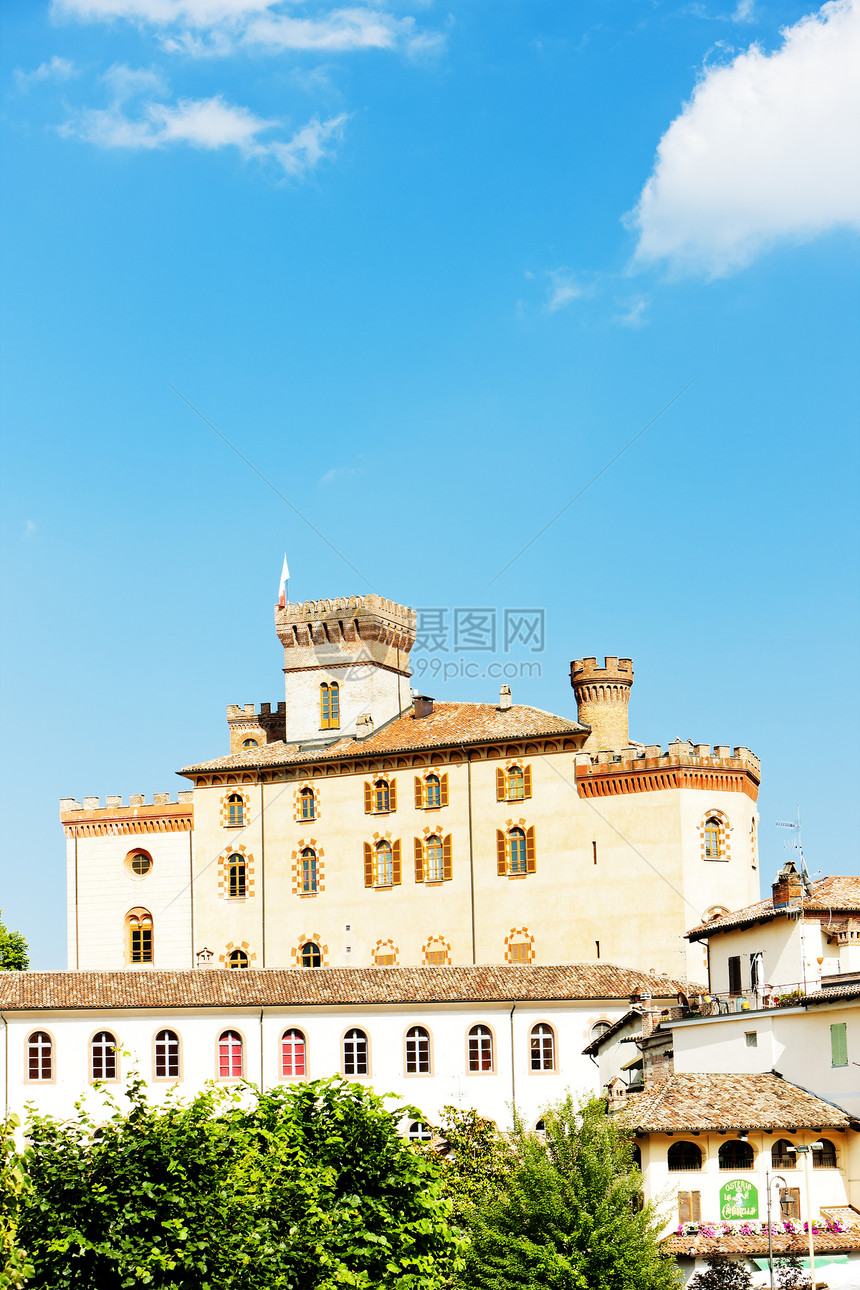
384	947
315	939
224	874
607	781
382	837
519	935
431	832
230	946
176	817
515	824
224	810
297	803
433	945
725	836
296	857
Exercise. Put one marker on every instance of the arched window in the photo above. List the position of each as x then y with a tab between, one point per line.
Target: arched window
293	1054
103	1063
516	851
237	959
419	1132
385	954
311	955
250	743
139	923
437	952
167	1055
542	1046
230	1058
236	875
781	1157
355	1052
826	1157
480	1049
683	1157
636	1152
383	865
235	809
417	1051
599	1028
516	783
433	859
309	870
381	796
329	705
520	951
40	1064
713	841
540	1128
308	804
735	1154
432	791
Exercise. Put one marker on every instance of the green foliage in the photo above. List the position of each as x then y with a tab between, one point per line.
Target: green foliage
568	1214
304	1188
790	1275
14	1267
477	1158
723	1274
14	951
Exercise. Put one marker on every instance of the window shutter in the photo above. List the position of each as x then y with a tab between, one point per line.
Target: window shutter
684	1207
839	1045
792	1194
368	797
501	857
392	794
443	789
419	859
368	865
527	781
396	867
419	791
447	865
696	1205
531	855
500	784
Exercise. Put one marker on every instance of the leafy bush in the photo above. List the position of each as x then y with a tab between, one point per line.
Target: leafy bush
723	1274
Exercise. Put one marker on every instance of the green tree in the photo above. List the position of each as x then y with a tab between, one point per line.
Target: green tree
723	1274
302	1188
14	1267
569	1214
476	1157
14	951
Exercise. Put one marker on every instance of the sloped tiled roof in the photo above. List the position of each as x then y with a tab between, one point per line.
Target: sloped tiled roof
683	1103
838	895
701	1246
833	993
592	1049
217	988
448	725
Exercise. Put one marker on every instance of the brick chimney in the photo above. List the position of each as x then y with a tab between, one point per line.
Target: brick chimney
789	886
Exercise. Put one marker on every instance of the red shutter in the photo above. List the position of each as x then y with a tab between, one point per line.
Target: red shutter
396	867
392	794
501	855
531	858
500	784
447	866
419	792
527	781
368	865
696	1205
685	1209
419	859
368	797
443	789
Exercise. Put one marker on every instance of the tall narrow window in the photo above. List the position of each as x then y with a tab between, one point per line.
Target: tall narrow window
689	1206
329	705
238	959
235	809
433	859
308	804
355	1052
516	851
236	875
480	1049
40	1063
542	1045
309	870
839	1044
713	849
417	1051
230	1059
780	1156
167	1055
103	1055
381	796
139	923
293	1054
311	955
383	865
433	791
735	974
516	784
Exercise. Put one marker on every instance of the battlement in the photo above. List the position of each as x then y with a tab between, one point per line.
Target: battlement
89	819
619	670
250	726
69	805
248	712
639	768
602	693
346	621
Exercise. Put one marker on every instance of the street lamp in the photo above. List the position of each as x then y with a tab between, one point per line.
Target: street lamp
782	1184
806	1153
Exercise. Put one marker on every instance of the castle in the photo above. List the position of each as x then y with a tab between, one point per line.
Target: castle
359	824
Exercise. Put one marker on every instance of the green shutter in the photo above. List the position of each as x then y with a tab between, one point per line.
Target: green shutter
838	1045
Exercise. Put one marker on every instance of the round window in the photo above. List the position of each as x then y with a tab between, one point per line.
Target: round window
140	863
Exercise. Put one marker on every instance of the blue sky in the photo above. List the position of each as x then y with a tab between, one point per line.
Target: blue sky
430	269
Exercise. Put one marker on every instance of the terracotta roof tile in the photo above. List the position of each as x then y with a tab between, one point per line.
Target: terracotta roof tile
448	725
701	1246
837	895
683	1103
214	988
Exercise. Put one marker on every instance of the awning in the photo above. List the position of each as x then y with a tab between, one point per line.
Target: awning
634	1061
820	1260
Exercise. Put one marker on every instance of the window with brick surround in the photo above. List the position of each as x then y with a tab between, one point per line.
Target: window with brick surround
311	955
329	705
516	853
293	1054
308	806
235	810
103	1062
480	1049
436	951
431	791
309	870
167	1055
433	858
139	924
236	875
237	959
513	782
40	1056
715	836
380	796
382	863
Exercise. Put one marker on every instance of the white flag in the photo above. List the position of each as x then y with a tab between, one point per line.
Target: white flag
282	590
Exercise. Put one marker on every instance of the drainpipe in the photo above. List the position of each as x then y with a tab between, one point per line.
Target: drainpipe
191	889
513	1068
5	1065
262	876
261	1050
77	930
471	850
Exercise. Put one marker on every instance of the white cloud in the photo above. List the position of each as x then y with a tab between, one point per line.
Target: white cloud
56	69
763	152
130	82
744	11
563	290
634	312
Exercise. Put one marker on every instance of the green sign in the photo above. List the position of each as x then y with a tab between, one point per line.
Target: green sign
738	1199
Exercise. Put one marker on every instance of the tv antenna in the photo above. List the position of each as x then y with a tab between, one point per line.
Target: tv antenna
796	843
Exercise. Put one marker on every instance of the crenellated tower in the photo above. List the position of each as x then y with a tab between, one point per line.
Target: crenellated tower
602	695
346	664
